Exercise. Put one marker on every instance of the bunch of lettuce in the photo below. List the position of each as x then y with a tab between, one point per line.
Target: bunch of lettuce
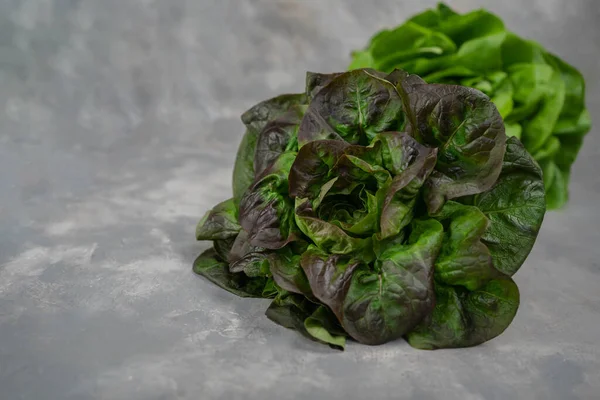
540	97
376	206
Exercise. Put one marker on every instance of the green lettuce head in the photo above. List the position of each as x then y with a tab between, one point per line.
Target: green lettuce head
540	97
376	206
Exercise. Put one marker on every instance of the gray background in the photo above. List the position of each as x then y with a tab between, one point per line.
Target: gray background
119	122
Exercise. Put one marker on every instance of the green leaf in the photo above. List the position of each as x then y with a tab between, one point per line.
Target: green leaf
327	236
437	40
287	272
579	127
557	193
290	311
407	42
516	50
355	106
464	260
432	18
380	246
425	66
255	120
531	83
323	326
502	97
266	211
413	163
513	130
223	247
515	207
550	149
573	124
361	59
574	103
270	290
451	75
356	213
215	270
252	264
481	54
556	183
219	223
385	303
293	311
462	318
538	128
243	170
462	28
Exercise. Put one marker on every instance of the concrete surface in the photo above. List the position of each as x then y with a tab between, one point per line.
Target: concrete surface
119	120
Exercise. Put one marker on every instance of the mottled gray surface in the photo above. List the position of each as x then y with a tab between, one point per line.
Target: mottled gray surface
119	121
